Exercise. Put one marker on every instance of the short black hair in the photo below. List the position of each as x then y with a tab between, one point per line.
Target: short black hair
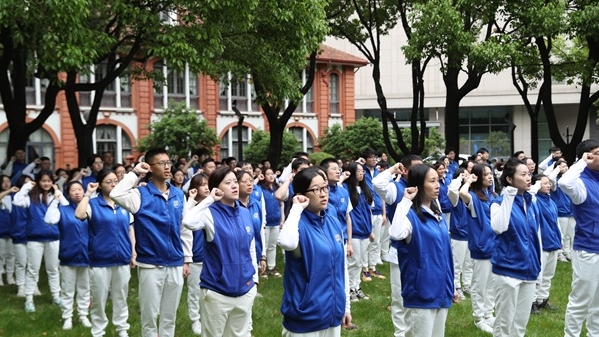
300	154
448	150
586	146
153	152
92	159
482	150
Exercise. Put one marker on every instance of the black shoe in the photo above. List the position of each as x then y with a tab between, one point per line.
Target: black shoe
535	309
546	305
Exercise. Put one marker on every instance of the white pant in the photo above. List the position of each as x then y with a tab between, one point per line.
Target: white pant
425	322
101	280
398	312
7	257
549	264
35	252
513	299
330	332
583	302
224	316
159	295
272	235
358	261
385	238
74	278
566	226
462	264
374	247
193	291
20	263
481	290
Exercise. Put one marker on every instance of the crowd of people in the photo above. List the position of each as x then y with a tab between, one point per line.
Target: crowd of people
494	232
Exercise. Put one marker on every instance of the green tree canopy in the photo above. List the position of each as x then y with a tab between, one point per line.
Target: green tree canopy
349	143
180	131
257	150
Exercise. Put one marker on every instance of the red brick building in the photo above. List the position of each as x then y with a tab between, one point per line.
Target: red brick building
128	107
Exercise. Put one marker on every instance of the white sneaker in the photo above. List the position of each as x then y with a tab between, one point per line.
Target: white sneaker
484	326
123	333
21	292
461	294
10	279
67	325
85	321
561	257
196	327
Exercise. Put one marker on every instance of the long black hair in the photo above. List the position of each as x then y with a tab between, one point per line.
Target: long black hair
353	183
416	178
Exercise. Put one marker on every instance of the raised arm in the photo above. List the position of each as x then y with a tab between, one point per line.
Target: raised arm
500	213
82	210
571	183
125	193
289	235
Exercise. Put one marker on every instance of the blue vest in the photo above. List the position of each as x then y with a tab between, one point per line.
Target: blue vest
400	186
255	208
158	226
378	203
73	238
551	238
314	283
586	231
458	222
5	223
518	250
228	266
563	203
109	242
37	229
444	201
18	217
361	218
198	246
339	198
92	178
273	207
481	238
426	264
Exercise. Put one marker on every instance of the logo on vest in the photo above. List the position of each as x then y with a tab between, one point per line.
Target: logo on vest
256	215
342	200
176	204
338	238
248	229
123	211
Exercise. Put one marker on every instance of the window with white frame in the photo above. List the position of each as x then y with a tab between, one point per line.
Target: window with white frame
40	144
237	91
117	93
229	144
180	86
112	138
334	93
304	138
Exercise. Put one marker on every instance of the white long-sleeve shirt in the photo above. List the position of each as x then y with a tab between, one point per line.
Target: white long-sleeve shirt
572	185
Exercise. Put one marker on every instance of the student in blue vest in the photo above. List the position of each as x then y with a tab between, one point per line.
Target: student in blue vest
458	231
391	190
198	191
477	196
444	181
163	249
230	270
18	234
516	258
275	216
7	255
424	254
565	214
42	240
550	238
581	184
361	199
73	254
110	252
95	164
316	289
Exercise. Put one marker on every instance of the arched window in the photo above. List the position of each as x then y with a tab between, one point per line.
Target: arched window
304	138
229	144
334	94
112	138
40	144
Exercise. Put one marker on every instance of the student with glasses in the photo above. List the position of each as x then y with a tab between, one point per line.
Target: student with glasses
110	253
316	291
163	249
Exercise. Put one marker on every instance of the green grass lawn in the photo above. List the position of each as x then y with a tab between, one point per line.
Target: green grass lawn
372	317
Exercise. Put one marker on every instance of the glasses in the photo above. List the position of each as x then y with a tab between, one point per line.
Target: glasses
163	163
319	190
111	182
